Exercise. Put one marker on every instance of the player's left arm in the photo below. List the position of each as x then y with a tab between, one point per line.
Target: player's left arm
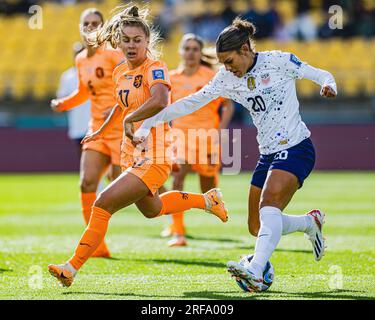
158	101
322	77
298	69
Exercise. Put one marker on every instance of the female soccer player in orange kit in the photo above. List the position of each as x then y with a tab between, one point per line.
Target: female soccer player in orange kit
194	72
95	67
142	89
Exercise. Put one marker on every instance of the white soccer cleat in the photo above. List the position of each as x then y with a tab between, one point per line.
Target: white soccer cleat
177	241
239	272
315	234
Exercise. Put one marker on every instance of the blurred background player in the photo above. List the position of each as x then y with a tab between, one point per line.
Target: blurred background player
195	71
78	117
95	66
142	86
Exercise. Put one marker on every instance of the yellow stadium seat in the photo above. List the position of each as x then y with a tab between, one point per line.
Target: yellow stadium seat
36	58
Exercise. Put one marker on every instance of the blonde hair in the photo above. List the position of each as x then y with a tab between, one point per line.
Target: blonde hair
208	58
88	11
123	16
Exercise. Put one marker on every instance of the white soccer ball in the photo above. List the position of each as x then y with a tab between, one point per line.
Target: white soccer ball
268	274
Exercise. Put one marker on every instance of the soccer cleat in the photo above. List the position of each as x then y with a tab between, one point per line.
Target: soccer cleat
215	204
315	234
240	273
177	241
166	232
62	274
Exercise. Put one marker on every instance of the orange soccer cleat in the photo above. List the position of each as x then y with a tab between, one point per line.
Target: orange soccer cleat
215	204
61	272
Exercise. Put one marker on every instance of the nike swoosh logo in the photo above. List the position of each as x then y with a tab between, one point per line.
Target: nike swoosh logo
216	203
84	244
263	235
63	276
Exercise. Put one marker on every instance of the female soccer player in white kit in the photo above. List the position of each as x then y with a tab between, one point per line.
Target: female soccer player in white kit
264	83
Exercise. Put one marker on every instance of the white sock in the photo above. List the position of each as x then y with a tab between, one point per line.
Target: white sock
295	223
269	235
70	268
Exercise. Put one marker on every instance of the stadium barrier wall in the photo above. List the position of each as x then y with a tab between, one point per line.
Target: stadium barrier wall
338	147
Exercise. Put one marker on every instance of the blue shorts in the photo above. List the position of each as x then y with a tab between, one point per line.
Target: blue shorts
298	160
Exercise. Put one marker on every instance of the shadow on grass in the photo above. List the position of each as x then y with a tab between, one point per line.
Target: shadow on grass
231	240
217	295
190	237
109	258
135	295
5	270
185	262
237	295
197	295
277	249
332	294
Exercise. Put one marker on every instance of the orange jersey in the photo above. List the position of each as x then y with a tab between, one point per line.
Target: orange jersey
95	83
184	85
132	89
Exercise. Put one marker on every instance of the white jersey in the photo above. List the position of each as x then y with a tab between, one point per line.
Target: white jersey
267	90
78	117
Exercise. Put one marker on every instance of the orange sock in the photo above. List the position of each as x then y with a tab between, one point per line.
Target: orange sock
177	201
91	238
87	201
178	227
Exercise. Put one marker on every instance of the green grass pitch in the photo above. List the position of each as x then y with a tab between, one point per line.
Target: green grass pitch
40	223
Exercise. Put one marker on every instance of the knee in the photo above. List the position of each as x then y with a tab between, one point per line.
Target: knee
271	197
150	214
88	184
104	202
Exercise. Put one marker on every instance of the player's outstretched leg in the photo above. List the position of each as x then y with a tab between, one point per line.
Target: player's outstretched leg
211	201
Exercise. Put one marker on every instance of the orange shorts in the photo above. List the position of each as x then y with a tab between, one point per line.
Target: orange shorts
109	147
154	175
207	167
206	170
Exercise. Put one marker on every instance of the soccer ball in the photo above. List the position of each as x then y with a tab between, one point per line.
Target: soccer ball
268	274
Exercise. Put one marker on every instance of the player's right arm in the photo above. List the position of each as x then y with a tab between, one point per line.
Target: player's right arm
77	97
102	131
182	107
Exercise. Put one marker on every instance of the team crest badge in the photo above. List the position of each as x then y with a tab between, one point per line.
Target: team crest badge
251	83
265	78
158	74
138	81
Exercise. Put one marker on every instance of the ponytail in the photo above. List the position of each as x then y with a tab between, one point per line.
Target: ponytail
235	35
